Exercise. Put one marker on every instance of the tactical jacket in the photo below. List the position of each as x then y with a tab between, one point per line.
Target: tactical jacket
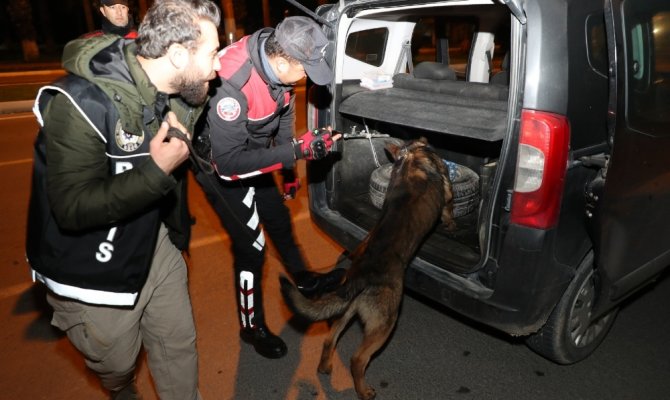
250	121
97	204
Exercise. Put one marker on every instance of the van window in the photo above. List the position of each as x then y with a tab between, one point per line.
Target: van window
596	45
448	39
647	30
368	46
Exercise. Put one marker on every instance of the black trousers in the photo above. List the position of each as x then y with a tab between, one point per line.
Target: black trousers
246	209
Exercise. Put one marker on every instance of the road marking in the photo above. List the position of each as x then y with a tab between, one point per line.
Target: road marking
15	290
206	241
15	162
18	114
20	288
31	73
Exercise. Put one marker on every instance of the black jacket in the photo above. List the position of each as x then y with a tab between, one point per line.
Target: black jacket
250	121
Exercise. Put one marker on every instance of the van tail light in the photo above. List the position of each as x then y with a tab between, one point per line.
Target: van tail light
540	169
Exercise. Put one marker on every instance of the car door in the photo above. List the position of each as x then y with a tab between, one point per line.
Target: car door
632	242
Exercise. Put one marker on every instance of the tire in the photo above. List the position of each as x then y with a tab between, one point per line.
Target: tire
571	334
464	185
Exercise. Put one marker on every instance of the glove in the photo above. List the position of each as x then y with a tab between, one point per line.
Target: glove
313	145
291	189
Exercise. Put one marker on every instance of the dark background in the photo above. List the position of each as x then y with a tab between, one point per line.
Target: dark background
51	24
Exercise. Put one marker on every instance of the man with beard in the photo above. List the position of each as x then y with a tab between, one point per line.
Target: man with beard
108	215
250	124
115	20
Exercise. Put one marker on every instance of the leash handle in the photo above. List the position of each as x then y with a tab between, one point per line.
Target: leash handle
203	164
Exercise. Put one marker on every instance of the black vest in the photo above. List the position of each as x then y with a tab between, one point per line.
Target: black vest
113	259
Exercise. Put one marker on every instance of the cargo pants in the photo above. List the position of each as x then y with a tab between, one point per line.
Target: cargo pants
110	338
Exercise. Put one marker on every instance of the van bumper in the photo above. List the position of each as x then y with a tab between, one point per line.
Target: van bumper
528	283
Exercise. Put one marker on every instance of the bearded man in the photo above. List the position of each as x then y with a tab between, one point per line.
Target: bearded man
108	216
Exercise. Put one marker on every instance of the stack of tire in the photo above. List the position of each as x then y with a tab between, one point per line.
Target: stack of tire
464	185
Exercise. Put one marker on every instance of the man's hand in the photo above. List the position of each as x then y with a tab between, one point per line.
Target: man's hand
315	144
168	153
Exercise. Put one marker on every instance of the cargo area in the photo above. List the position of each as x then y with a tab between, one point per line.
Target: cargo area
438	72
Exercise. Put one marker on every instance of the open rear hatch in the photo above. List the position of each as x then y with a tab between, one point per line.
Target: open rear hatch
443	95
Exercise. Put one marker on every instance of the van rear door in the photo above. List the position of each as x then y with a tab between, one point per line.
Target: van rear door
632	239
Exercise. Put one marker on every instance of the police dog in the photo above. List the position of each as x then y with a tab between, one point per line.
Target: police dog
418	195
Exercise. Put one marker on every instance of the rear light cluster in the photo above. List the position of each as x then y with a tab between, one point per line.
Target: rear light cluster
540	169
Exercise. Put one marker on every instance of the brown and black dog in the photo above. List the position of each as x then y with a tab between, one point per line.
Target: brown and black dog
418	194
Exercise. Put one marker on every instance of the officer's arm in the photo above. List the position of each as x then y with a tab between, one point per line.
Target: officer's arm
227	126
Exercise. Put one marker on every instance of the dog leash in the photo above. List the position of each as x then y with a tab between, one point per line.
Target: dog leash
203	164
161	110
206	167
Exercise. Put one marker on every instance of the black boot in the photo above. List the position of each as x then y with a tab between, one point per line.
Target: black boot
313	284
265	342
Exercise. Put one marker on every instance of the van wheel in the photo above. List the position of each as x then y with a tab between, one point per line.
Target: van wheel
464	185
571	333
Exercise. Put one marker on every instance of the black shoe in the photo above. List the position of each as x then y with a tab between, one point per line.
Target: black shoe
265	342
312	284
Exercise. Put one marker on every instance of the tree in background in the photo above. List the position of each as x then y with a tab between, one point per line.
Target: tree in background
21	16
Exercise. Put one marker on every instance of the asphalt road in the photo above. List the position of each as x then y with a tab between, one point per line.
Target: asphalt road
433	354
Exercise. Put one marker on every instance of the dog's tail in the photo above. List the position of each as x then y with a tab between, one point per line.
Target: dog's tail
324	307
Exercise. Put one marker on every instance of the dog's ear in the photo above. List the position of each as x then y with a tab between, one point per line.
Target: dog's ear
393	150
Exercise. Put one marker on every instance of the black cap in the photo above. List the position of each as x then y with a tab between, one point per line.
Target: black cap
302	39
112	2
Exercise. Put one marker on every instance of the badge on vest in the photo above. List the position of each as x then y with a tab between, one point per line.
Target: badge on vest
127	141
228	109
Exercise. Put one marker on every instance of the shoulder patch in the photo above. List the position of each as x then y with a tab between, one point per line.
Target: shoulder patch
126	141
228	109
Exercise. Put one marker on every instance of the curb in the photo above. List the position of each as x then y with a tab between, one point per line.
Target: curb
12	107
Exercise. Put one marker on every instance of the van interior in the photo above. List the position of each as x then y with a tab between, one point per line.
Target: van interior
443	73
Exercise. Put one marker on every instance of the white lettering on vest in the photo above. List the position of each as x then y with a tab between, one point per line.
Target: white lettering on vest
106	249
122	166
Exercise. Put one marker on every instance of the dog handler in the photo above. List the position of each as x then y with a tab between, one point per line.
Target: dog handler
108	213
250	124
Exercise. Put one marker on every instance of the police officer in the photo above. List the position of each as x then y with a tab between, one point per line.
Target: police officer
250	125
116	19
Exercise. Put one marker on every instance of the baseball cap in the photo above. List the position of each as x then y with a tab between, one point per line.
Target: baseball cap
302	39
112	2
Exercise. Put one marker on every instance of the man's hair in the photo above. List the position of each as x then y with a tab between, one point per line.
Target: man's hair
173	21
273	49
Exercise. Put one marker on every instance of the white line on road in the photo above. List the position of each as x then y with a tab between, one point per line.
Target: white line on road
32	73
20	288
15	162
15	290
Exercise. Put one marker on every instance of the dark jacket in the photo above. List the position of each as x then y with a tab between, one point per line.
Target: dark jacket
127	32
250	121
98	202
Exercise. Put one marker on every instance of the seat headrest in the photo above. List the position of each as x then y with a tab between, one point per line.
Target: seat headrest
433	70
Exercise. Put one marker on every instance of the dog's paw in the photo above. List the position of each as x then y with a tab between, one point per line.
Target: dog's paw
325	369
450	225
367	394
